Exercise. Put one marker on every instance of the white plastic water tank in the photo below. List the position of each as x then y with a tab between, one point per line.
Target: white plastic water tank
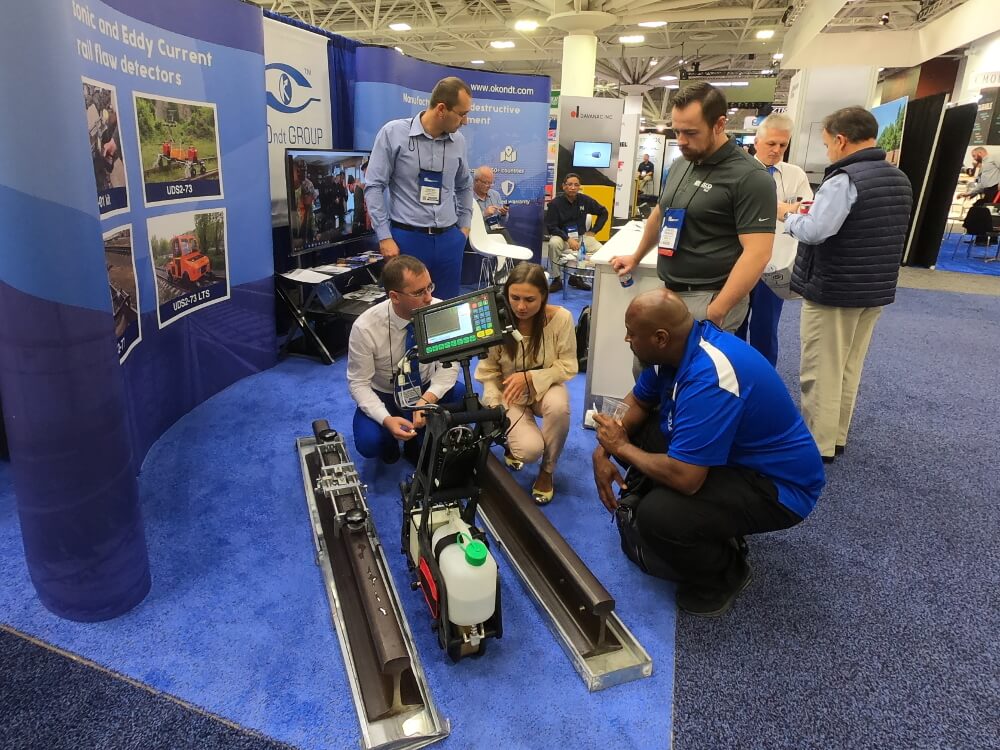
470	575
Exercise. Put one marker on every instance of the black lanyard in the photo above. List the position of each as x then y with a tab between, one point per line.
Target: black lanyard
415	145
682	183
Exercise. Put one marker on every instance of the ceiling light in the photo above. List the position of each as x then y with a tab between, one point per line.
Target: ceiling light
681	61
765	33
778	56
632	39
668	78
661	128
767	72
525	24
653	63
880	70
884	20
399	50
730	83
399	26
671	86
502	44
652	24
478	62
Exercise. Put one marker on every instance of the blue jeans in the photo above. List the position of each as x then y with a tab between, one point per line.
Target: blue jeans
372	440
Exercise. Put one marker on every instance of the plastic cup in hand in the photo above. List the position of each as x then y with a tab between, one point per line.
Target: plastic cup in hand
804	207
614	408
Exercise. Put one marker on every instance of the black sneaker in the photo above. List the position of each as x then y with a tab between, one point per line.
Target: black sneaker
556	285
838	450
710	602
577	283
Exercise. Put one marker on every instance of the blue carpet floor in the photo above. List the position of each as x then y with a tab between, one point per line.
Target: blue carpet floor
54	702
963	257
238	623
872	625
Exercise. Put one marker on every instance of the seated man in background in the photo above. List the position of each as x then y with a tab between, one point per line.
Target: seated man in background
644	174
566	224
726	455
490	203
380	339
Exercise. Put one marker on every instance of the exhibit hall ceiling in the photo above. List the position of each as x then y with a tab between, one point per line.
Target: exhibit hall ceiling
642	44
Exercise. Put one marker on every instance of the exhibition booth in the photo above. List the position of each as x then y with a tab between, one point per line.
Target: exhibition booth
169	139
177	118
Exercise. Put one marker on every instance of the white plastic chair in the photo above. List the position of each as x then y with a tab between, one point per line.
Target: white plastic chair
498	256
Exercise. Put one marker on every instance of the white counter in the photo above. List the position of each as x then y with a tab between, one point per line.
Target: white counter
609	367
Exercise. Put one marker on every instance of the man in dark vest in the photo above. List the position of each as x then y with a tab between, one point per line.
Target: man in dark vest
850	246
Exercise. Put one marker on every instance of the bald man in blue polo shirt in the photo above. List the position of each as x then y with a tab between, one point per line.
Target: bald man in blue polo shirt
726	455
419	185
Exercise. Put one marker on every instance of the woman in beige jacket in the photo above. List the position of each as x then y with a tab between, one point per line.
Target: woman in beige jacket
528	376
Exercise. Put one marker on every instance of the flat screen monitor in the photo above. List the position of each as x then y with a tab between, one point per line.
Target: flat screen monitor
458	327
591	154
326	204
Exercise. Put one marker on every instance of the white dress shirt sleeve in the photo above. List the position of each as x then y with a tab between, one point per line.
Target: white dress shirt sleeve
442	379
826	216
795	183
361	350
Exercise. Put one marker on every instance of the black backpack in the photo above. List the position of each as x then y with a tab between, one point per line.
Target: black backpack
583	338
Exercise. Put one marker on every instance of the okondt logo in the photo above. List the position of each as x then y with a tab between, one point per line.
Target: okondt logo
507	186
286	88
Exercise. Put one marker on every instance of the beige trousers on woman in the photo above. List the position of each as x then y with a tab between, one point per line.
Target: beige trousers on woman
527	441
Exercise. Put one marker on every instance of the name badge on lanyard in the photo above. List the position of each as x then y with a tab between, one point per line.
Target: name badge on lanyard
493	220
429	184
670	231
410	394
571	232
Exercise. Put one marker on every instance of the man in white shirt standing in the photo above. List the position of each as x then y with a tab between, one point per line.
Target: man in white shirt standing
760	328
987	182
380	340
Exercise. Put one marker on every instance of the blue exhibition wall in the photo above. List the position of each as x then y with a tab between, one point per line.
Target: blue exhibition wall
135	277
506	130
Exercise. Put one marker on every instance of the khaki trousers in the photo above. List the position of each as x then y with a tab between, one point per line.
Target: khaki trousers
697	303
834	344
527	442
557	246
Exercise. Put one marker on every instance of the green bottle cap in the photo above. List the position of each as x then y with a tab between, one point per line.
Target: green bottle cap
475	552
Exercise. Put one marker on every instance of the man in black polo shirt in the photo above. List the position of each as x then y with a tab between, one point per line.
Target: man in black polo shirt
566	223
644	174
714	224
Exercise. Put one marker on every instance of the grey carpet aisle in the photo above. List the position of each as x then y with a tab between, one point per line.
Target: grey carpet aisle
874	624
49	701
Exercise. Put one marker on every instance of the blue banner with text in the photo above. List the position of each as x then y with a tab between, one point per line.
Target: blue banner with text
506	128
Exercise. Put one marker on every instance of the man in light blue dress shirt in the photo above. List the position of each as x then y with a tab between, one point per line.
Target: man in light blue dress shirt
490	203
846	268
419	187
